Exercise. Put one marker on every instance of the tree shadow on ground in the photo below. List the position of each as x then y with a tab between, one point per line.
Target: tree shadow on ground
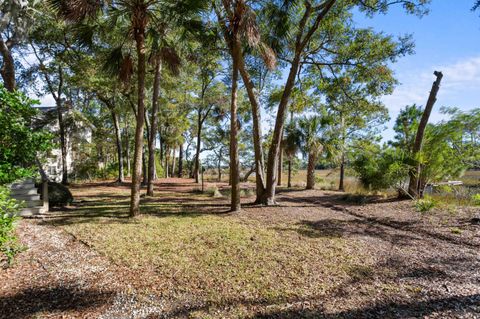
333	199
313	307
336	228
368	225
118	211
458	305
47	300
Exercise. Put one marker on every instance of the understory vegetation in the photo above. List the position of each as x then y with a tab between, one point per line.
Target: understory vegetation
9	245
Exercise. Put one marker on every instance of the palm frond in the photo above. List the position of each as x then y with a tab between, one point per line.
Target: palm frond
84	34
171	59
119	65
76	10
248	27
126	69
268	56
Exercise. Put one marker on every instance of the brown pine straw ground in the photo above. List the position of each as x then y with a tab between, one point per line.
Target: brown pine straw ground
317	254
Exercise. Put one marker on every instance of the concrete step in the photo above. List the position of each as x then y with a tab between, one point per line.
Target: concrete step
23	185
27	197
31	211
33	203
23	192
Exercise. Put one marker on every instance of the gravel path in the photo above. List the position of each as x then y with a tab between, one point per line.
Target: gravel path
60	277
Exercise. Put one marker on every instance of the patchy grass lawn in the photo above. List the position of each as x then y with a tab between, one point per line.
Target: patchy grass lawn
223	261
196	255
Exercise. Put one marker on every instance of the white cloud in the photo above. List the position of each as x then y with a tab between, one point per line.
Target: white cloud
460	79
462	75
459	88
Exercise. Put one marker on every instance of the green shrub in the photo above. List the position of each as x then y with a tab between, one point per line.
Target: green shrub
425	204
476	199
19	144
58	195
89	170
379	168
9	207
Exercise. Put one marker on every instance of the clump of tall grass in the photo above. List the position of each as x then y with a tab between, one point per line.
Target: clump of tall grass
476	199
425	204
214	192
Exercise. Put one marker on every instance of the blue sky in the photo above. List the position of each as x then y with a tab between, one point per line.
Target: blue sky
447	40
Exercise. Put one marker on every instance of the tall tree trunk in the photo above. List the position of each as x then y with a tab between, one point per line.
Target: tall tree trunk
341	186
8	66
234	161
162	147
257	132
167	155
196	167
127	150
63	141
219	167
180	161
144	168
57	95
302	38
153	127
414	186
116	125
139	34
312	160
289	183
280	165
273	153
173	160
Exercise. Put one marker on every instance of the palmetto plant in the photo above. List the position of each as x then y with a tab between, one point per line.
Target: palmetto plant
139	16
312	135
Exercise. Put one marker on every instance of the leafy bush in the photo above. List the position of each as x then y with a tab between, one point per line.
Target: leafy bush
379	168
476	199
9	207
58	195
425	204
89	170
19	142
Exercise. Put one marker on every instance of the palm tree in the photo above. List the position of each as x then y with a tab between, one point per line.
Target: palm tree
238	24
313	142
159	55
141	14
233	22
